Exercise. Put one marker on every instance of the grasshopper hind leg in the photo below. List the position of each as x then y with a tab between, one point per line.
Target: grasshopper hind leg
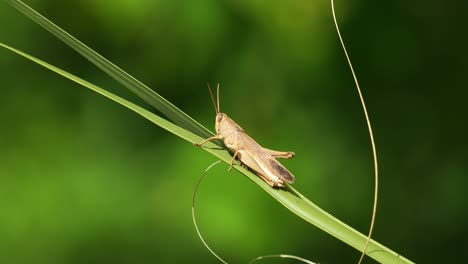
280	154
273	183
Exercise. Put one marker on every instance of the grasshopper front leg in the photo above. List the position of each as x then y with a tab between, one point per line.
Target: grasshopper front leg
280	154
217	137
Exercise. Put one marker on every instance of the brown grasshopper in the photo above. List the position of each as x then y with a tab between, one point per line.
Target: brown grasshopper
260	160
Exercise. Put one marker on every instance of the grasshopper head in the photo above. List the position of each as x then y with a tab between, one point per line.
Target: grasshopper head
225	126
220	120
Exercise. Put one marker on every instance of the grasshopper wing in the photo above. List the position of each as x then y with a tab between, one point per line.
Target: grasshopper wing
256	158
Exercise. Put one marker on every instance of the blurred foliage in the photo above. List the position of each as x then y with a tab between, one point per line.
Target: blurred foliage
83	180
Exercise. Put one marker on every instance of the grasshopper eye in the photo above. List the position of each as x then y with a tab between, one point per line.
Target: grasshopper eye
220	117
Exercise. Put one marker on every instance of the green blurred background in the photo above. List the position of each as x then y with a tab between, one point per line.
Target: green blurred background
84	180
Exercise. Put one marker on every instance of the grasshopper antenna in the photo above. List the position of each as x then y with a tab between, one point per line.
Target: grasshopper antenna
217	97
212	97
374	152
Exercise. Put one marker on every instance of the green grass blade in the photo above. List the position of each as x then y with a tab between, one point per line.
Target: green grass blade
181	132
288	196
141	90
